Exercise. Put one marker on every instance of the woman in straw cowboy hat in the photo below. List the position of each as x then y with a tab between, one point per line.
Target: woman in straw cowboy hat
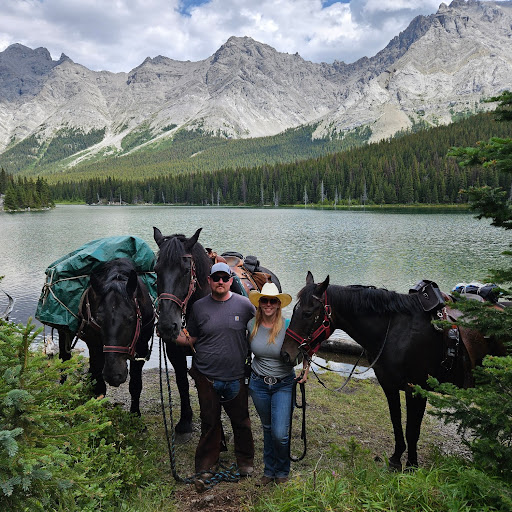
272	380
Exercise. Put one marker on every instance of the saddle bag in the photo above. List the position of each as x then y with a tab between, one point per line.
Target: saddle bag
252	264
429	294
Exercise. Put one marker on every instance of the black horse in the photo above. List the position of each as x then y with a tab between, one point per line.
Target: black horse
117	322
399	340
182	270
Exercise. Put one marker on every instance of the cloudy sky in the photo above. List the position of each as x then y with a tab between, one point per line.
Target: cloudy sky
117	35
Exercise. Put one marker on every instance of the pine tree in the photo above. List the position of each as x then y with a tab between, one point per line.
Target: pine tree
486	411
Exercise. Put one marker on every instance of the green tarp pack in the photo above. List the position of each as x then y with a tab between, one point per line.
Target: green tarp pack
68	277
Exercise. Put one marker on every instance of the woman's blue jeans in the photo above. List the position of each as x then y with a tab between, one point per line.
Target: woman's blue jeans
274	405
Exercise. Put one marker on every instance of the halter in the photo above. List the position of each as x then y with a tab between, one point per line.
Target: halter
91	321
323	331
182	304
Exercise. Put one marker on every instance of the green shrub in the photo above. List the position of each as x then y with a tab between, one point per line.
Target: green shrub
59	448
483	412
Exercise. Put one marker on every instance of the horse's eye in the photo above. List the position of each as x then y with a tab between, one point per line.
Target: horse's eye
307	314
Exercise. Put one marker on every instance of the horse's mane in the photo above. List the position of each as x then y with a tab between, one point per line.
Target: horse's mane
172	250
113	276
358	298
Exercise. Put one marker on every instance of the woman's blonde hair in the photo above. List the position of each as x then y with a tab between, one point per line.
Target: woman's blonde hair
274	331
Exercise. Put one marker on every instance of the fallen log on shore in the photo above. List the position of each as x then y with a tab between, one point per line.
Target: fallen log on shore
341	343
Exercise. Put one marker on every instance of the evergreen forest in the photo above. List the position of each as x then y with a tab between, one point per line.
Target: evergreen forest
412	168
24	193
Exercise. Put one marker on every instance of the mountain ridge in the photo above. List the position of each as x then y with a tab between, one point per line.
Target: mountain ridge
440	67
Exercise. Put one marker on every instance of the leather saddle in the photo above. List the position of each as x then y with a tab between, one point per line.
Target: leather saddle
245	270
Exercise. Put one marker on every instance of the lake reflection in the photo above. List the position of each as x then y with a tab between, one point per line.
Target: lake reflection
391	250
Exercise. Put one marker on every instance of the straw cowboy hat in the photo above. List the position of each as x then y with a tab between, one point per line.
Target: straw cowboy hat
269	290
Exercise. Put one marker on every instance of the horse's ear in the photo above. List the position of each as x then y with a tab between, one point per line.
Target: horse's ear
192	240
131	285
94	289
309	278
94	282
157	235
320	288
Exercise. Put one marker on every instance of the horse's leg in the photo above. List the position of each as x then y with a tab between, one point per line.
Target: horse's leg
415	411
135	385
96	363
65	340
395	412
178	358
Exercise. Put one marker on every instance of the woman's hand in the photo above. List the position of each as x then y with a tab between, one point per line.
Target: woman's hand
303	376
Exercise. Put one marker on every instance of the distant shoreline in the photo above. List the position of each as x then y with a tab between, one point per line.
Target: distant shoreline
390	208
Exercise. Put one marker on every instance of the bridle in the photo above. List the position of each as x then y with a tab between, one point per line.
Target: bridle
91	321
182	304
321	333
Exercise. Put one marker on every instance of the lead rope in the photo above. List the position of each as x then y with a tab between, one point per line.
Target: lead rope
171	439
230	474
352	372
302	406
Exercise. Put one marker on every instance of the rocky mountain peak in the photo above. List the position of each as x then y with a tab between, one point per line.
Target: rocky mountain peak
20	51
241	48
22	70
438	68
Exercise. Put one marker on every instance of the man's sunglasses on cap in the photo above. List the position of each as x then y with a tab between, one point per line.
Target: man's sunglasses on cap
218	277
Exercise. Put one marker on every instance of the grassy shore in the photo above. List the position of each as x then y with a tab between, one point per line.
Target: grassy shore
347	432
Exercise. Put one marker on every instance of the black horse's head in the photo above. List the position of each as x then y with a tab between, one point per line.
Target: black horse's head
182	266
116	313
307	326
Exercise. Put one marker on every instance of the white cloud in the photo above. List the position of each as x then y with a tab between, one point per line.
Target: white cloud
118	35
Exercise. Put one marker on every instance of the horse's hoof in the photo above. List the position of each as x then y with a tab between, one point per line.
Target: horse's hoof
395	466
183	438
183	427
410	467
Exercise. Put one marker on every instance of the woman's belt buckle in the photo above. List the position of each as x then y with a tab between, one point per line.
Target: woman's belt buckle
270	381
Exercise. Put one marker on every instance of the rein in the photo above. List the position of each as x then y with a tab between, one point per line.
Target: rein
230	474
302	406
352	372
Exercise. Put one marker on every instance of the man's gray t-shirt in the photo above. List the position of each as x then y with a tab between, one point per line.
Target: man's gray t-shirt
220	329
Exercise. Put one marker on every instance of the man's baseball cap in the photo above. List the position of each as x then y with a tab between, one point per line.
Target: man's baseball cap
220	267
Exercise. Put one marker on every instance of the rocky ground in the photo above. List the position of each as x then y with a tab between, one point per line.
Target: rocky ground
229	497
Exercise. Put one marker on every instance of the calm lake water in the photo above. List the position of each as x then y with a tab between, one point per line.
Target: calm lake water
390	250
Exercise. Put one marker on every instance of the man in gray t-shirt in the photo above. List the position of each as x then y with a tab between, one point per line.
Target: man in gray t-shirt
220	329
217	332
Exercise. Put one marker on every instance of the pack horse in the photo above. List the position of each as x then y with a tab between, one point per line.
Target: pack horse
107	305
